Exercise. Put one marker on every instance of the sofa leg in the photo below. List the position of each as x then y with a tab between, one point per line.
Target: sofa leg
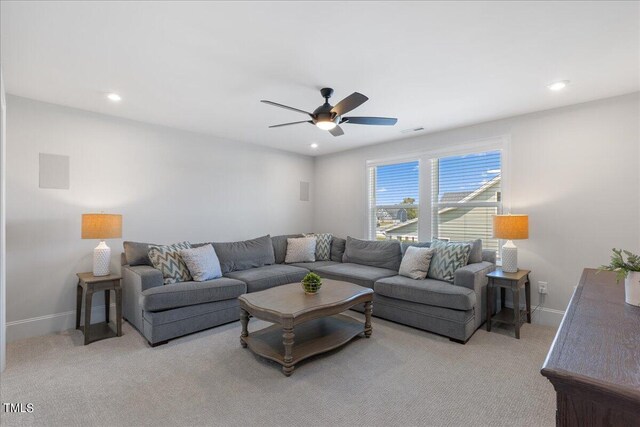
158	343
458	341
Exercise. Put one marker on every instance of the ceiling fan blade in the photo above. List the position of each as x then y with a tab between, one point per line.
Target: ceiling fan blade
349	103
292	123
336	131
286	107
380	121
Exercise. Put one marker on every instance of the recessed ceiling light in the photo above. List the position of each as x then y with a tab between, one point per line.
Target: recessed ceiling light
558	85
114	97
314	146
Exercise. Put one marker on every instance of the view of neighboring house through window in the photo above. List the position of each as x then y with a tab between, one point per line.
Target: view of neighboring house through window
393	198
465	193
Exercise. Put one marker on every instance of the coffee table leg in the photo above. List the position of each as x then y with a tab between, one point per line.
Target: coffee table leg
244	319
368	310
287	340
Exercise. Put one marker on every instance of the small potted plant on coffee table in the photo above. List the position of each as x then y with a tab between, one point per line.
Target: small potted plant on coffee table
311	283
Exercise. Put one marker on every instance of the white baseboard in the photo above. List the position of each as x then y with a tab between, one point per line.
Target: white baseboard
544	316
52	323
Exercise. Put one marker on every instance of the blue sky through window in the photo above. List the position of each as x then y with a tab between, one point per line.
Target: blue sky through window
456	174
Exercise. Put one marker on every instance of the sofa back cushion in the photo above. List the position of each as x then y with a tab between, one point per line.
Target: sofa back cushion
236	256
404	246
382	254
337	248
137	253
280	246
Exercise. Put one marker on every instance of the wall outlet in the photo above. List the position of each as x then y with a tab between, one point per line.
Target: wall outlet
542	287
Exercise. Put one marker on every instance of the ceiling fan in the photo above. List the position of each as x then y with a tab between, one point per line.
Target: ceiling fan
329	117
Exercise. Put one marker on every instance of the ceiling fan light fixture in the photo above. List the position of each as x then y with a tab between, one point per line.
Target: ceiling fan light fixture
326	124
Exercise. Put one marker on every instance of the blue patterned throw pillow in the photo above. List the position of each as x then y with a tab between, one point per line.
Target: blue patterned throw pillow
167	259
448	257
323	245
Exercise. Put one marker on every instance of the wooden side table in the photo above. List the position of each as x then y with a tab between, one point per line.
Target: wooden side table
90	284
513	281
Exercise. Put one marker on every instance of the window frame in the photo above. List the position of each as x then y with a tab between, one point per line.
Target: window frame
425	189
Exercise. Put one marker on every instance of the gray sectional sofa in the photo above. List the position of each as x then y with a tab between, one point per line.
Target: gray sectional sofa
162	312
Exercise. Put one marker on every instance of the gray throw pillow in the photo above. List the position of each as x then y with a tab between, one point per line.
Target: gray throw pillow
448	257
202	262
167	259
237	256
137	253
302	249
382	254
415	262
323	245
337	248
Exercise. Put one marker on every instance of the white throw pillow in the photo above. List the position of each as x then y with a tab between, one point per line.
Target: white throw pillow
301	249
415	262
202	262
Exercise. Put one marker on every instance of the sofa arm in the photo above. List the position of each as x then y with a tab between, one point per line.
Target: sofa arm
135	280
474	276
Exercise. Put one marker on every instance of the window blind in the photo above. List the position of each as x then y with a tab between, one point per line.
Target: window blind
466	193
394	201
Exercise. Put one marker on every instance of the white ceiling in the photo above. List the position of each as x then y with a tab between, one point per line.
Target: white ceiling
205	66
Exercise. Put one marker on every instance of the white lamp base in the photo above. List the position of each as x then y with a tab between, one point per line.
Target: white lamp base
101	259
509	257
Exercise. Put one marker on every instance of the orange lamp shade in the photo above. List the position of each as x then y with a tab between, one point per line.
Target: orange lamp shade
101	226
511	227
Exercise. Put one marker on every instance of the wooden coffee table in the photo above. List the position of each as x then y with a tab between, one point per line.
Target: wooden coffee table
304	325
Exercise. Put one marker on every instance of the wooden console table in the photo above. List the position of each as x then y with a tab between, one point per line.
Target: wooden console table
594	361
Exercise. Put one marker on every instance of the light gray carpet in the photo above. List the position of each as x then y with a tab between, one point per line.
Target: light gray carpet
401	376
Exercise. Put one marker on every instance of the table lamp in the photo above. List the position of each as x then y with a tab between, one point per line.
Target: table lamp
101	226
510	227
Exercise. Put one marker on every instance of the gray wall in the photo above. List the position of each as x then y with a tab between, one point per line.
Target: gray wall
169	185
574	170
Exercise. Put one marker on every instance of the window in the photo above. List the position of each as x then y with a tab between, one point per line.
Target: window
450	196
466	193
394	201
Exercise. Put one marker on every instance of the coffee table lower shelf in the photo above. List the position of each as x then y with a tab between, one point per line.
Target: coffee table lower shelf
310	338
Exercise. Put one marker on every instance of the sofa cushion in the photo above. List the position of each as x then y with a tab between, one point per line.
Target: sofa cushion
237	256
337	248
362	275
190	293
312	266
167	259
382	254
449	257
280	246
323	245
258	279
137	253
427	291
301	249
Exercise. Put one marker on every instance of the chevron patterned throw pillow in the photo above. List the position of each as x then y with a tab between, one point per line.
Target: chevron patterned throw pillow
323	245
168	260
448	257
